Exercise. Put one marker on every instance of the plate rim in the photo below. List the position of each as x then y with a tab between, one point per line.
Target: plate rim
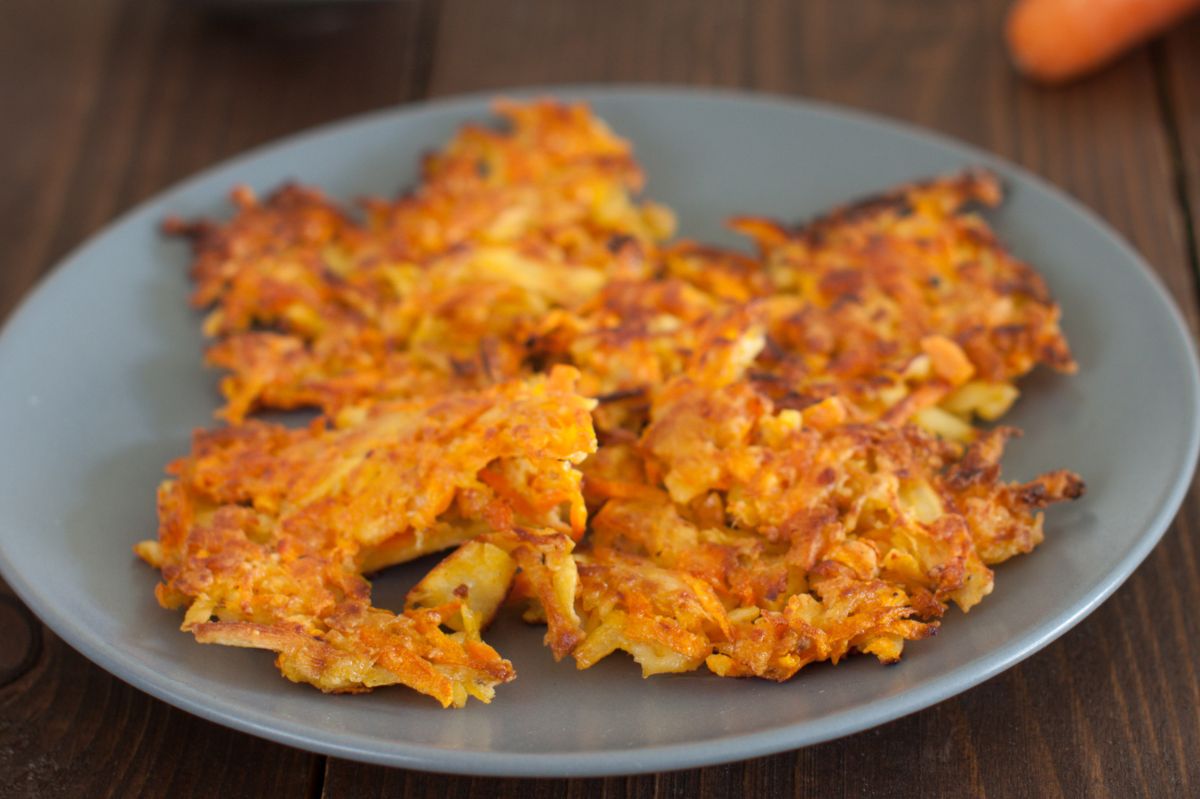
667	756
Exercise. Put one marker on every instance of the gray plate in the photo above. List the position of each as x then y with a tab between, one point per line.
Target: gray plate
100	384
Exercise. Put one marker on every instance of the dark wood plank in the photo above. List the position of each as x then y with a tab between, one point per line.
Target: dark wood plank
22	636
483	45
1180	64
1110	709
69	729
106	102
46	101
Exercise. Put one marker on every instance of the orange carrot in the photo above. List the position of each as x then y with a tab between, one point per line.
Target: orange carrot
1056	40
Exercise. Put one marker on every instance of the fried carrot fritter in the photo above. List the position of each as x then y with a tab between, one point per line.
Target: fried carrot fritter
905	306
811	533
265	531
907	303
695	455
435	292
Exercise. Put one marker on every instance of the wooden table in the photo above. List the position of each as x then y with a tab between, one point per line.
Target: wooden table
104	102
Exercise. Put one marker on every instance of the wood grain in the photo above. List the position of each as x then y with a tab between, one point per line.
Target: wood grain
1110	709
21	634
42	126
1180	67
104	103
69	729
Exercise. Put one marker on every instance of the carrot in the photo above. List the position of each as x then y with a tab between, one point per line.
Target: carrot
1056	40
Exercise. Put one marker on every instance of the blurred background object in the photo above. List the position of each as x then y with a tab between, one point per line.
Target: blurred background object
1055	41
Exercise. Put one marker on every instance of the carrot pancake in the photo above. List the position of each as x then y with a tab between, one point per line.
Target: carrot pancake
265	531
748	461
